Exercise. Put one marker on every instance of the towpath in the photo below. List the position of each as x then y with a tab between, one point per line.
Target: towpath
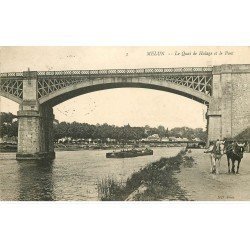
201	185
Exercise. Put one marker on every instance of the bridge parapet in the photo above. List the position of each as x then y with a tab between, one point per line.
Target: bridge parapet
11	74
110	72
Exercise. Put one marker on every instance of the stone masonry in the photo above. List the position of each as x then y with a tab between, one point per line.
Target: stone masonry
35	127
229	113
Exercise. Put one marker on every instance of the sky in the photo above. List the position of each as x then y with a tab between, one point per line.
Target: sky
138	107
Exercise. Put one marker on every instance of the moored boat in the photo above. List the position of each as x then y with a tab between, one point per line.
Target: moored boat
129	153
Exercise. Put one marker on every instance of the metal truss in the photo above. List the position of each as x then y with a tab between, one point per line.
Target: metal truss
12	86
198	78
196	82
50	85
199	83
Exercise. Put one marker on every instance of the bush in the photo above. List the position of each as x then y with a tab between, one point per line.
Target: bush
158	177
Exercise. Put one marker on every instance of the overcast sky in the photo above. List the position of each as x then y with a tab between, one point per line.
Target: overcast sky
137	107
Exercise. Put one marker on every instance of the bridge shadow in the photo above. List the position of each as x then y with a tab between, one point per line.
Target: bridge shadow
36	180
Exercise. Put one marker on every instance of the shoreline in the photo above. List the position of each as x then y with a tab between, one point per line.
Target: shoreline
184	177
154	182
13	149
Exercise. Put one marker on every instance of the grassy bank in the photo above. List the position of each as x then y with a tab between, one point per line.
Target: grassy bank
154	182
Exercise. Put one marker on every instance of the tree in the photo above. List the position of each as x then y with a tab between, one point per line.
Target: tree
8	125
161	131
76	130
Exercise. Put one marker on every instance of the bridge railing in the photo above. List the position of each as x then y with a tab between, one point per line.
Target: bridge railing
123	71
112	71
11	74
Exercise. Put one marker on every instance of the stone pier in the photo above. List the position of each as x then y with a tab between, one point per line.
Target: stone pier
35	124
228	113
35	133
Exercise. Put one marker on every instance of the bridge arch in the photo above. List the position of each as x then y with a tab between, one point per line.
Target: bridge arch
11	97
88	86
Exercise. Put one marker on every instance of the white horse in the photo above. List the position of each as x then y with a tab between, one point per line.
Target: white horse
216	151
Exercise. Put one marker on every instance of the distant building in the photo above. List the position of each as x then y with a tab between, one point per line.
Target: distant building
178	139
164	139
172	138
154	138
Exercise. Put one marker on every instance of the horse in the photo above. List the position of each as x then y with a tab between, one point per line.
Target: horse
234	152
216	152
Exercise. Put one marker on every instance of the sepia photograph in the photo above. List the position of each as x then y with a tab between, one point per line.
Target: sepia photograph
124	123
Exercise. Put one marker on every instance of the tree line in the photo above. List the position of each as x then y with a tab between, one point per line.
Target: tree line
76	130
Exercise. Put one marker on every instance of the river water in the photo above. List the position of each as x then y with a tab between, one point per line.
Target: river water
73	175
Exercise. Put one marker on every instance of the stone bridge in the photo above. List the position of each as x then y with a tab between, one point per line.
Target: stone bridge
224	89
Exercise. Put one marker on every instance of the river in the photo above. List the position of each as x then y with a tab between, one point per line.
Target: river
73	175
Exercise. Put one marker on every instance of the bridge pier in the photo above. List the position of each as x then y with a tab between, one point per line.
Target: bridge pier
228	112
35	124
35	134
214	122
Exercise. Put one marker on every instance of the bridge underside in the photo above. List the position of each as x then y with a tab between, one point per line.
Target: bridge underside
64	95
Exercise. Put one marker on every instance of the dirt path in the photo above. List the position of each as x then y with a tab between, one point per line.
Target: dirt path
201	185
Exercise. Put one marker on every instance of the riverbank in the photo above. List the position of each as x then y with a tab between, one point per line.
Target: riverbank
183	177
156	181
76	147
201	185
12	147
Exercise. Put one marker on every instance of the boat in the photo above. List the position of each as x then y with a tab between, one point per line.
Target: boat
129	153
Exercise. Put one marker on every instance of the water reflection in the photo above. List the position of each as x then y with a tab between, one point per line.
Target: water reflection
36	180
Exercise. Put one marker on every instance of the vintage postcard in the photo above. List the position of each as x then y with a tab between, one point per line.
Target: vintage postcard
124	123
